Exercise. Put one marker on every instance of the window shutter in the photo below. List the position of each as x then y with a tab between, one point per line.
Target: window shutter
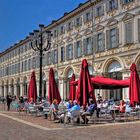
75	50
116	4
103	41
102	10
64	54
85	17
84	47
96	13
67	52
80	21
139	30
72	51
51	57
91	43
128	33
108	39
117	37
107	6
95	49
81	47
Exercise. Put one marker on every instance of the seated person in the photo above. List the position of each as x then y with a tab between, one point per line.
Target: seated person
89	111
122	106
70	104
73	109
128	108
54	107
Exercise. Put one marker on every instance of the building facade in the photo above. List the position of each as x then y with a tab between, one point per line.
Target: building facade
105	32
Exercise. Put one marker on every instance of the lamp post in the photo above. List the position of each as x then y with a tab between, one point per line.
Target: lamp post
40	42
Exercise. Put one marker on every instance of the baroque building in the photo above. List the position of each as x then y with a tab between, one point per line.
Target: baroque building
105	32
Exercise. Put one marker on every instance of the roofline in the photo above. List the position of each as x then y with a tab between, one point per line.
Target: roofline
75	11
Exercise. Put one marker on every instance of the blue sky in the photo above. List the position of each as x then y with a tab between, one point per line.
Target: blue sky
19	17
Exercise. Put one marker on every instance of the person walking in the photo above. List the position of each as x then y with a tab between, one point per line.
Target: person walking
9	100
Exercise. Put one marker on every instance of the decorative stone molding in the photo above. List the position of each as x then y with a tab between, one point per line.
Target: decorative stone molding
77	69
88	31
69	39
78	36
99	27
128	6
98	65
99	18
111	22
127	16
129	60
113	12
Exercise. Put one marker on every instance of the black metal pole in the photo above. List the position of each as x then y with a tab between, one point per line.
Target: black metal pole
40	75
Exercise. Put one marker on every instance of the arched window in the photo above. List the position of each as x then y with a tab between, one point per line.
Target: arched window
70	72
114	67
69	75
91	70
114	72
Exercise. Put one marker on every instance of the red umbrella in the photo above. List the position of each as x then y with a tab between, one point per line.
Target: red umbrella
134	89
32	90
72	92
85	88
53	89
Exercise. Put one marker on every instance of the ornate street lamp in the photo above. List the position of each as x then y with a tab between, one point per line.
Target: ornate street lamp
40	42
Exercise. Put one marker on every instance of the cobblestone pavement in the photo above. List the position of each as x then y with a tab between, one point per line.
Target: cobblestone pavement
13	130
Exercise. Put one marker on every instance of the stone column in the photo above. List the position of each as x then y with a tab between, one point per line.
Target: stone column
10	90
125	92
61	84
15	89
37	84
1	91
21	89
5	90
64	88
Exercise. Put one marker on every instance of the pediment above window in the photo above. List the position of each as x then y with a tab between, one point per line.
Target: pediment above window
69	39
127	16
61	42
78	36
112	22
99	27
87	31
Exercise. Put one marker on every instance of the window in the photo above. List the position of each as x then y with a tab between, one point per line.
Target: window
69	51
62	30
55	33
62	54
111	5
37	61
78	49
100	42
49	58
112	38
33	63
126	1
99	11
29	64
70	26
55	57
139	30
87	17
128	32
78	22
88	46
